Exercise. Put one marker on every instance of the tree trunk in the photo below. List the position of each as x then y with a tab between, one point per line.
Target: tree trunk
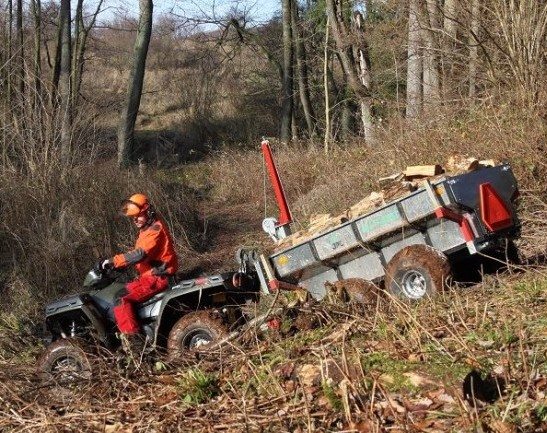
429	24
64	81
79	54
20	49
326	87
287	84
126	130
414	64
365	77
451	19
78	30
355	74
37	13
301	64
346	116
474	48
9	63
57	62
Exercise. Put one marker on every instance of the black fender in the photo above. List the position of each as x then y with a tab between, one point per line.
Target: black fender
201	292
69	309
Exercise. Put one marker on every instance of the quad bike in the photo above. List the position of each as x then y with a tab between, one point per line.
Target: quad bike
189	315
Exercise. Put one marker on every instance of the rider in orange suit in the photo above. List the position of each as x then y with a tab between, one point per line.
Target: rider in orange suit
154	258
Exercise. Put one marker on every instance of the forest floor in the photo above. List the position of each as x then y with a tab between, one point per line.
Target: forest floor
473	359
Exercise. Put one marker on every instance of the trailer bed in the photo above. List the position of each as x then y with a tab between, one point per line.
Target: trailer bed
362	247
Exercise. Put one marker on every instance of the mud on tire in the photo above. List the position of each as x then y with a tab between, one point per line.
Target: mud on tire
195	331
64	360
417	271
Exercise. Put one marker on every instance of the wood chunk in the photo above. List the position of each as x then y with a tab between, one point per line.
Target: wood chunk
422	170
461	164
318	228
388	180
375	199
399	190
319	218
487	163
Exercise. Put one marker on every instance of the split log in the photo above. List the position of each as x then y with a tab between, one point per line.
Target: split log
422	171
461	164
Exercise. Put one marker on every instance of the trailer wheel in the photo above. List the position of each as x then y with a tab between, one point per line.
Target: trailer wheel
64	360
417	271
194	332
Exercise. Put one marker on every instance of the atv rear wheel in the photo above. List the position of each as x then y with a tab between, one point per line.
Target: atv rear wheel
417	271
64	361
195	331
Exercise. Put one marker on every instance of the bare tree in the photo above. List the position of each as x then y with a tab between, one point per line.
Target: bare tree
56	73
81	34
20	74
301	64
430	28
65	80
37	14
450	24
126	130
523	31
326	87
414	63
357	73
287	105
473	42
9	89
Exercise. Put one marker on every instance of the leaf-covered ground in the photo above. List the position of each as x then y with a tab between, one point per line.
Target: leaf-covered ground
474	359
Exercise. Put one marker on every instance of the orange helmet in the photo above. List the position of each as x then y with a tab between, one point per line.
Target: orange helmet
135	205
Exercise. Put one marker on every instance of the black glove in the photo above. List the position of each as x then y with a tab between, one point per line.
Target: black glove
103	265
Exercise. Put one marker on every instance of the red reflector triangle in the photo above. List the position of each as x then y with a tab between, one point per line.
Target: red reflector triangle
494	212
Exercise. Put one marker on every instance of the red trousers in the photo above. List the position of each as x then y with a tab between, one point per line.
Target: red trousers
139	290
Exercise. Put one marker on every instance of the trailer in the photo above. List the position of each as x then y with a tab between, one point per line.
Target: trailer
408	245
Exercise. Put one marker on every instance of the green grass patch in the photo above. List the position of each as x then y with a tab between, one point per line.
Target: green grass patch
197	387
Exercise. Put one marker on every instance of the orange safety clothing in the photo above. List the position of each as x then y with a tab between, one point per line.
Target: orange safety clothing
137	291
153	254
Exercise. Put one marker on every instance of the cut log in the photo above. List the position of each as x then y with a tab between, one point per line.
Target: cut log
388	180
399	190
422	171
461	164
319	218
487	163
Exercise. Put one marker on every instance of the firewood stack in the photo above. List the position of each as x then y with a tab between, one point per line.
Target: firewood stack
393	187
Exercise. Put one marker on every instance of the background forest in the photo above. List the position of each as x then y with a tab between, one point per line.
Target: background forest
174	104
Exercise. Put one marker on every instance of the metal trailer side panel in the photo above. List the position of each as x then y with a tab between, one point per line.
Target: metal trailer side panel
313	280
294	260
335	242
444	235
369	266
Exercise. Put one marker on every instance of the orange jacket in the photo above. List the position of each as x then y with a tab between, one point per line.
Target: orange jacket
153	254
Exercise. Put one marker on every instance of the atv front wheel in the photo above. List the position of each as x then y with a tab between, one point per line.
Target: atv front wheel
195	331
64	361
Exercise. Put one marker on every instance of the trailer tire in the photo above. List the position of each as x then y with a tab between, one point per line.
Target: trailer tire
64	360
194	332
417	271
